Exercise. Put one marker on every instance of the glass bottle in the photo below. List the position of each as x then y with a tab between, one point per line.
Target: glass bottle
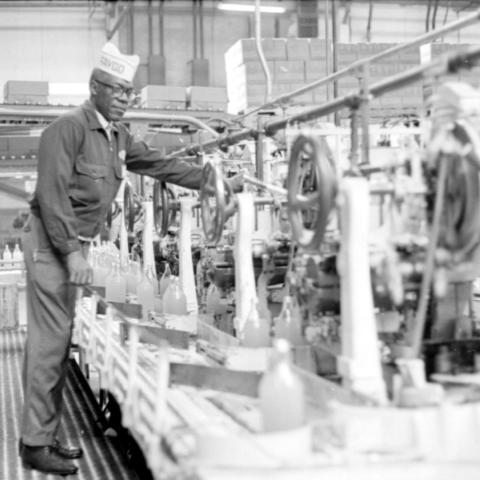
134	277
288	324
7	255
256	332
116	286
146	292
17	255
213	299
281	392
164	280
174	299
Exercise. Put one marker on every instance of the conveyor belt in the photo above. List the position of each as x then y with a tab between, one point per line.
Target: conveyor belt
102	459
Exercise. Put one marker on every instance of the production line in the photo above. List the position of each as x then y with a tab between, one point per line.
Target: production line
318	323
188	384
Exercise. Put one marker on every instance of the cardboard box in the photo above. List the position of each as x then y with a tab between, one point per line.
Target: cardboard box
207	98
161	96
25	88
298	48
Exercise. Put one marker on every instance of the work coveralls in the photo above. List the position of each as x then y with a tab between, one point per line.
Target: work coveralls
80	169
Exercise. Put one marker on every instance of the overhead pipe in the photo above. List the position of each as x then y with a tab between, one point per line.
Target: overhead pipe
161	29
261	55
201	16
356	66
328	48
194	20
119	21
150	28
437	67
334	53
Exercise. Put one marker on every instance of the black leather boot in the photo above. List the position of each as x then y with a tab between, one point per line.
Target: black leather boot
45	459
67	451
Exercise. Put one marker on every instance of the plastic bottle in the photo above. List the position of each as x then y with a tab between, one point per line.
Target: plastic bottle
146	292
116	285
256	332
174	300
281	392
287	324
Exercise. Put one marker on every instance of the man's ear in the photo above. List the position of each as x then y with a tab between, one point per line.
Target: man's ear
93	87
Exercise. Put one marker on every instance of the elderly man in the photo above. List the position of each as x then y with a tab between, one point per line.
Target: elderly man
82	160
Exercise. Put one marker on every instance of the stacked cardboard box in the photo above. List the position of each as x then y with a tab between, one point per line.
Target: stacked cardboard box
163	96
207	98
20	91
295	62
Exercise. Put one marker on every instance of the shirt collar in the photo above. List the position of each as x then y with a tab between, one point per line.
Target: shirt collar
106	125
95	119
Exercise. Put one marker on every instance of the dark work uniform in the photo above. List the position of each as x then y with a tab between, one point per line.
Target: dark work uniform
79	172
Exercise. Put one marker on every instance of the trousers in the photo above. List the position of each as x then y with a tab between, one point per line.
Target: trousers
50	312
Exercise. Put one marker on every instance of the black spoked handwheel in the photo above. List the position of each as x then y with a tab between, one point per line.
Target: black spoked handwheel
216	201
132	208
163	210
312	187
128	208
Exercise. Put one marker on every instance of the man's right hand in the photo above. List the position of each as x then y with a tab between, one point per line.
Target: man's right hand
79	270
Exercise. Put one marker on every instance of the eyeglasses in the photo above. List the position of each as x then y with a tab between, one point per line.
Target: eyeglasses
118	90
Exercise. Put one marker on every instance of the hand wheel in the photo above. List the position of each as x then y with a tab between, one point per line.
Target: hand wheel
164	211
312	186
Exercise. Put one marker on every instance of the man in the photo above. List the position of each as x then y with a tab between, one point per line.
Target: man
82	159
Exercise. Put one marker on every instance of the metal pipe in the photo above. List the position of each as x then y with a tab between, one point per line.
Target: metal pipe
467	20
261	55
389	84
194	19
132	28
150	28
119	21
334	55
201	16
327	45
440	66
161	30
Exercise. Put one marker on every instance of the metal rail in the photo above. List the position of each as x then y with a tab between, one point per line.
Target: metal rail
22	112
360	64
450	64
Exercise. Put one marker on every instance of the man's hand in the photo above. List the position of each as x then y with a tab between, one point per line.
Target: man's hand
79	270
236	182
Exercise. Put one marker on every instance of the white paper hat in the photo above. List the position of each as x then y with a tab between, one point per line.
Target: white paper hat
117	64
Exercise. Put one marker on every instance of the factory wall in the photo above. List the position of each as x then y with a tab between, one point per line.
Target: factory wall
55	44
59	43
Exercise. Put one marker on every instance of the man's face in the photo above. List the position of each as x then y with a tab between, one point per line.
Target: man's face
111	96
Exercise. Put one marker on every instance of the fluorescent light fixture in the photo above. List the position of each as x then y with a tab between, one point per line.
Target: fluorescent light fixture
243	7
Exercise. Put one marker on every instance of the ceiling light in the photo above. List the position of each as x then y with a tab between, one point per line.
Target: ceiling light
243	7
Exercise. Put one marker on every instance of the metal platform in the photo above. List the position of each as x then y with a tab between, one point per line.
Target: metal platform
102	459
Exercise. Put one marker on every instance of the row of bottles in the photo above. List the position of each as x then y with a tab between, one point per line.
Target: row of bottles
128	281
287	325
12	258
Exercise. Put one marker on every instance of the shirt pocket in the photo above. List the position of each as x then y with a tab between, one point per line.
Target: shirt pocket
89	181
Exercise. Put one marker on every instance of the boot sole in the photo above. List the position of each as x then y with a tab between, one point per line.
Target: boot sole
63	473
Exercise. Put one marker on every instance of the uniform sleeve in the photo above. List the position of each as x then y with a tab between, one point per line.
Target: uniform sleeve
59	145
142	159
